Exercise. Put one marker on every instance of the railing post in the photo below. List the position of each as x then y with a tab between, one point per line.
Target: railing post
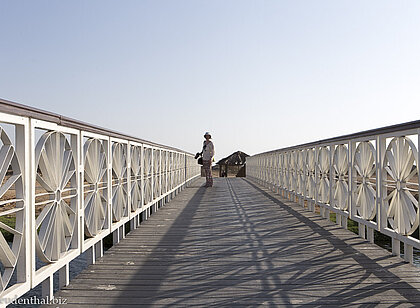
330	178
122	232
396	246
316	181
380	191
64	276
116	236
133	223
48	288
408	253
351	208
152	174
109	186
370	234
90	255
99	249
362	229
344	222
23	152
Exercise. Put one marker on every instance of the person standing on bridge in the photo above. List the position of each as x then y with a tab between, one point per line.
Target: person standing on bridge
208	153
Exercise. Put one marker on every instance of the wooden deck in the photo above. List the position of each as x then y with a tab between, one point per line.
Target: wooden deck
238	244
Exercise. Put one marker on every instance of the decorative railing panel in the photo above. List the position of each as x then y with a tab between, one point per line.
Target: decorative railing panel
371	177
120	205
14	203
65	185
136	178
148	181
95	186
156	173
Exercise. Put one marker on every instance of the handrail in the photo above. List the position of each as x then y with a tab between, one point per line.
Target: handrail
371	177
65	185
14	108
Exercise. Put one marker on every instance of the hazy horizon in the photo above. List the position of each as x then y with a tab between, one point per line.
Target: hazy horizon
259	75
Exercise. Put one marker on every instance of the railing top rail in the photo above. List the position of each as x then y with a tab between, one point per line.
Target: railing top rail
362	134
39	114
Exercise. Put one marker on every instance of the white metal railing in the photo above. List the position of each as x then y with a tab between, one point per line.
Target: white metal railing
65	185
371	177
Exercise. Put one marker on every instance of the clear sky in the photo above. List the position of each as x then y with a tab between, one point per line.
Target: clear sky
258	75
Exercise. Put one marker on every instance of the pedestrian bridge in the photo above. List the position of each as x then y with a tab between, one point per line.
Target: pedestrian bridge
240	244
267	239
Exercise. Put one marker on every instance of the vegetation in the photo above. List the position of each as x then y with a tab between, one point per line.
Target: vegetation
9	220
380	239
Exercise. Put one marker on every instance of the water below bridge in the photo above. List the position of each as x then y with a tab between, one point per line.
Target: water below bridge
239	244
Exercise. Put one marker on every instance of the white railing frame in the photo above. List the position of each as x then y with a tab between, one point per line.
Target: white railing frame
26	121
259	169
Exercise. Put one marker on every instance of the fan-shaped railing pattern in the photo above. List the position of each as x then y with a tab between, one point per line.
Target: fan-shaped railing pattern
401	174
287	170
171	174
279	170
176	167
95	186
56	197
365	180
273	170
147	163
276	171
370	178
310	174
12	208
120	204
164	161
156	173
65	185
300	172
323	183
340	177
293	172
135	178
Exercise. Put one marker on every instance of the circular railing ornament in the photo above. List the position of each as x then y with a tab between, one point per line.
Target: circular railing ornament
277	170
310	173
12	203
56	174
341	188
165	166
293	174
365	180
95	187
401	185
119	182
281	170
135	178
287	170
300	173
148	175
324	169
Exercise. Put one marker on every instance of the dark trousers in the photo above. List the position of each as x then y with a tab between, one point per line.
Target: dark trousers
207	171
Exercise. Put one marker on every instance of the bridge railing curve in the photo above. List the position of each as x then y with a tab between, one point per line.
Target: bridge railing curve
65	185
371	177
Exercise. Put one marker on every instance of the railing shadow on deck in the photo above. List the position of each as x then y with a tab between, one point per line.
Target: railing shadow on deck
272	277
390	280
184	219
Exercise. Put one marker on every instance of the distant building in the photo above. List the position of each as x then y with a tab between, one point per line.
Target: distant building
233	165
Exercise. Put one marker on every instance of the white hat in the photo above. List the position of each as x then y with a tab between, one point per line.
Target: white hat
207	133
